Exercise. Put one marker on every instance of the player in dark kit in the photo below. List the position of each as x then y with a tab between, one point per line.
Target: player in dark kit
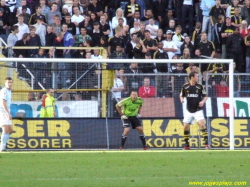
196	98
130	116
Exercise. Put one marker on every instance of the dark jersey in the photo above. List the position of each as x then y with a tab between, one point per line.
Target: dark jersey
194	95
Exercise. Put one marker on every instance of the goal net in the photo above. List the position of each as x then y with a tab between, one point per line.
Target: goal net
87	90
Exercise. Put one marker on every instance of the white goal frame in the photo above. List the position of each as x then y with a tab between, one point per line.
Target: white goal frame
101	61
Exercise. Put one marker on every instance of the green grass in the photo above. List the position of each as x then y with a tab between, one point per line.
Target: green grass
122	169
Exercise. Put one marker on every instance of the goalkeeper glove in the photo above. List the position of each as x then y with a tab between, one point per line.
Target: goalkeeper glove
123	116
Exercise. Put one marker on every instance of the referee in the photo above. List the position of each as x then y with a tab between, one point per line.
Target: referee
130	115
196	98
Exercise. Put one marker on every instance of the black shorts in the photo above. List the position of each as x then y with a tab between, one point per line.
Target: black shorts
133	121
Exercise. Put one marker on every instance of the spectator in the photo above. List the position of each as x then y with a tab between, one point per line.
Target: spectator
226	30
104	27
130	9
230	9
245	11
77	18
96	34
147	91
24	5
34	41
88	44
6	13
162	80
116	93
197	54
165	21
78	97
216	68
207	48
177	81
215	12
247	43
95	7
150	44
190	68
134	28
96	54
139	49
115	40
170	46
76	3
160	36
71	26
12	38
31	96
217	34
237	18
86	23
134	81
26	16
81	38
187	11
178	39
117	54
44	7
65	11
66	96
3	25
58	42
140	33
148	15
39	14
206	24
187	44
152	28
130	46
40	69
186	54
51	14
93	18
23	28
244	31
178	7
56	26
196	38
170	26
136	18
50	36
159	10
119	14
225	4
234	46
142	5
40	29
222	89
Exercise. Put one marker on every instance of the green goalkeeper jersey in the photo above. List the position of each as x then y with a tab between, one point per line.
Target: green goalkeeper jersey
130	108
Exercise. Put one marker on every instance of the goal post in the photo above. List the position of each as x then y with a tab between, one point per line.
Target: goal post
108	77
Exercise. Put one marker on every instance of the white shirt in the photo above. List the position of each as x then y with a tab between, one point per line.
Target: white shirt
188	2
77	19
115	22
22	29
20	10
96	57
132	30
5	94
169	44
41	32
153	34
178	43
117	84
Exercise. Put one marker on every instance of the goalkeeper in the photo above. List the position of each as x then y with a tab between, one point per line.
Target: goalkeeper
130	116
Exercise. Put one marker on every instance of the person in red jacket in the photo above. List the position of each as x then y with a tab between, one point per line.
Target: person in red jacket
222	89
146	90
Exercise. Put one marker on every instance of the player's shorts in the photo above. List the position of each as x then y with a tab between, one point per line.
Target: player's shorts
133	121
189	117
4	119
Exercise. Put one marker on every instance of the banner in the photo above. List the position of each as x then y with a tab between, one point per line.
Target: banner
64	109
99	133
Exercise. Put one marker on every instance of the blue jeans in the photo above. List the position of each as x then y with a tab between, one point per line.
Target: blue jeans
247	64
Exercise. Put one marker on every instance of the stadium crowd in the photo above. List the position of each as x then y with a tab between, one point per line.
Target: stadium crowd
130	29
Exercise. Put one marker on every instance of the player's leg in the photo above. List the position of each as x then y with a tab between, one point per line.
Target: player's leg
6	132
201	122
126	126
188	118
136	123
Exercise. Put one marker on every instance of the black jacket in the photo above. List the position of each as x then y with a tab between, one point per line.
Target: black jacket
235	43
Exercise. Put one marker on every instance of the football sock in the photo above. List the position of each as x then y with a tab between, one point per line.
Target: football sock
124	138
4	138
186	138
143	140
205	135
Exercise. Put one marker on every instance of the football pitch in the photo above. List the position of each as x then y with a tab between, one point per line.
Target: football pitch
123	168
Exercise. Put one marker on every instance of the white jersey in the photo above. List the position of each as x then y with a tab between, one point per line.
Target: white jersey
5	94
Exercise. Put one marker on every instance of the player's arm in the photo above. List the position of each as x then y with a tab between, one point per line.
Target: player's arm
182	94
6	108
203	101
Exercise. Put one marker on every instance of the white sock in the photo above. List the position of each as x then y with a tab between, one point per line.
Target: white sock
4	138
